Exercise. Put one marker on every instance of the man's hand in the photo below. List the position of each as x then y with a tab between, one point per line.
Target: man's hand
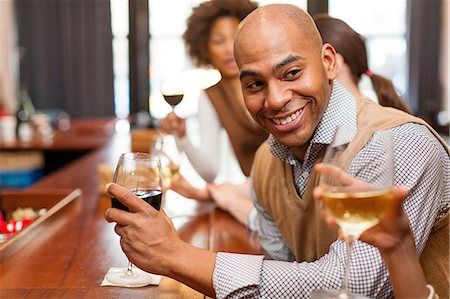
150	241
173	124
147	236
392	229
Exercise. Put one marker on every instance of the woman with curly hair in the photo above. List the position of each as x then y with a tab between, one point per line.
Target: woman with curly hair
352	61
209	40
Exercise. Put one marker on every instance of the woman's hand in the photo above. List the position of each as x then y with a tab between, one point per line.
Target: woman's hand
173	124
184	188
224	194
233	198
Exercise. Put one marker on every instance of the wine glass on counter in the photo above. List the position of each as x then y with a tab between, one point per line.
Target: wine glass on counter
141	174
360	204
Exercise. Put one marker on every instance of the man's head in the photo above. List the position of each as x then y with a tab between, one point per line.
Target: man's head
286	72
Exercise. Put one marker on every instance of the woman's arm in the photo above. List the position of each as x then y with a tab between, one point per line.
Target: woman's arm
205	157
233	198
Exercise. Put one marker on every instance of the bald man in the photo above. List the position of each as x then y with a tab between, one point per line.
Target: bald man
287	78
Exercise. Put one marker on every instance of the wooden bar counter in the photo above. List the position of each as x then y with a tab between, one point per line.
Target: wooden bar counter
69	258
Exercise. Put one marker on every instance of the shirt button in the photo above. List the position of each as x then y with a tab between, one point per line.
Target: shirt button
305	174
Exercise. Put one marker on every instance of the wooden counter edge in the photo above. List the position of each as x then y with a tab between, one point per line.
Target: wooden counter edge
20	239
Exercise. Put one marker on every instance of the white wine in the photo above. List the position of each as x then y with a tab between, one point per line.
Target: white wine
170	173
355	212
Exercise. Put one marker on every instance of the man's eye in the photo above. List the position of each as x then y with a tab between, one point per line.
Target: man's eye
292	74
254	85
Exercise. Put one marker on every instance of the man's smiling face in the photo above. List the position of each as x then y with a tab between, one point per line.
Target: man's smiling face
286	78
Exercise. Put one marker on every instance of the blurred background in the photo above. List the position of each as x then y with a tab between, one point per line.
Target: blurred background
95	58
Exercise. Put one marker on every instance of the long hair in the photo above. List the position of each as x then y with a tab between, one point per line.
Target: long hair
352	46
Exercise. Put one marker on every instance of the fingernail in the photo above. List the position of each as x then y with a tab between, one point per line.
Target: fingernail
107	186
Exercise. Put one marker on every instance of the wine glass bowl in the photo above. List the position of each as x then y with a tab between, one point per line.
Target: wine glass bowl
355	212
173	90
141	174
356	198
164	147
173	99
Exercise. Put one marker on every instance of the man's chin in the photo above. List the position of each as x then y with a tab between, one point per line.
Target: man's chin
288	142
292	140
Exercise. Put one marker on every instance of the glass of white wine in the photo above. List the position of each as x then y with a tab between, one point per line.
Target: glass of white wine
164	147
359	206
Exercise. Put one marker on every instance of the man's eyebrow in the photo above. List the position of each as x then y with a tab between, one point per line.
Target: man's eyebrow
287	60
246	73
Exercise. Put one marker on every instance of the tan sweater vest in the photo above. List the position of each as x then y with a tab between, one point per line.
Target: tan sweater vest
244	134
298	219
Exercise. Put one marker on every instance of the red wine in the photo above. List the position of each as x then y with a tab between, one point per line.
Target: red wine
174	99
152	197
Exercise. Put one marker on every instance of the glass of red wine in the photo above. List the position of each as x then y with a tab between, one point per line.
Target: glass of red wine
172	89
141	174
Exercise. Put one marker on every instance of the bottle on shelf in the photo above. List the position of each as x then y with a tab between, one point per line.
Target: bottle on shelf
24	113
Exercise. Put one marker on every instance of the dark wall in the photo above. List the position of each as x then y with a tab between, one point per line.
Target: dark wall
66	55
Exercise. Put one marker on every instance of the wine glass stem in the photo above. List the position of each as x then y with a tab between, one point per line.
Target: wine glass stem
174	131
130	269
349	240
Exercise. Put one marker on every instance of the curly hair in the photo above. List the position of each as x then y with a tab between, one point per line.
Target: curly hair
202	19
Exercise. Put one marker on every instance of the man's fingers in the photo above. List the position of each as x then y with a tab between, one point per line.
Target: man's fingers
119	216
126	197
400	194
335	172
317	192
165	216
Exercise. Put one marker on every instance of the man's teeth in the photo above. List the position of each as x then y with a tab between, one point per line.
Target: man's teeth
290	118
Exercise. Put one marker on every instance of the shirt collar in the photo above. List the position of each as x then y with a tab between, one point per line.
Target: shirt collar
341	110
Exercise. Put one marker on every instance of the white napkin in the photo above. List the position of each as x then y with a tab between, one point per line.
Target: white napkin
152	279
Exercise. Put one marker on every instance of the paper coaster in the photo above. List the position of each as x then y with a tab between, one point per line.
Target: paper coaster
150	279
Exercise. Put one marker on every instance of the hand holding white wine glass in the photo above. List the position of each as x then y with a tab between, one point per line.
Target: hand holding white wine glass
141	174
355	207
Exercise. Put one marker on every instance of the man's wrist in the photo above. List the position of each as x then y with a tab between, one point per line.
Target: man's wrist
406	246
194	267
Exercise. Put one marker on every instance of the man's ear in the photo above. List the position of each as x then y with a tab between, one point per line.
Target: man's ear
329	61
340	63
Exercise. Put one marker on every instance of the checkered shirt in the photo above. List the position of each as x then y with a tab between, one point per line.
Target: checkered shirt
421	164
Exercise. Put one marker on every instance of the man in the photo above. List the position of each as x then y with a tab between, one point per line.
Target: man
287	81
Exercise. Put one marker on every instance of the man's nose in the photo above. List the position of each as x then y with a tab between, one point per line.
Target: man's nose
276	97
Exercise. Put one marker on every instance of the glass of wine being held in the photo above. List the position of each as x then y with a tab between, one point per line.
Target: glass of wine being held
172	89
141	174
356	204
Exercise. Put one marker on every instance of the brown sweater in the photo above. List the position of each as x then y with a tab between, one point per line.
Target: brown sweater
298	219
244	134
